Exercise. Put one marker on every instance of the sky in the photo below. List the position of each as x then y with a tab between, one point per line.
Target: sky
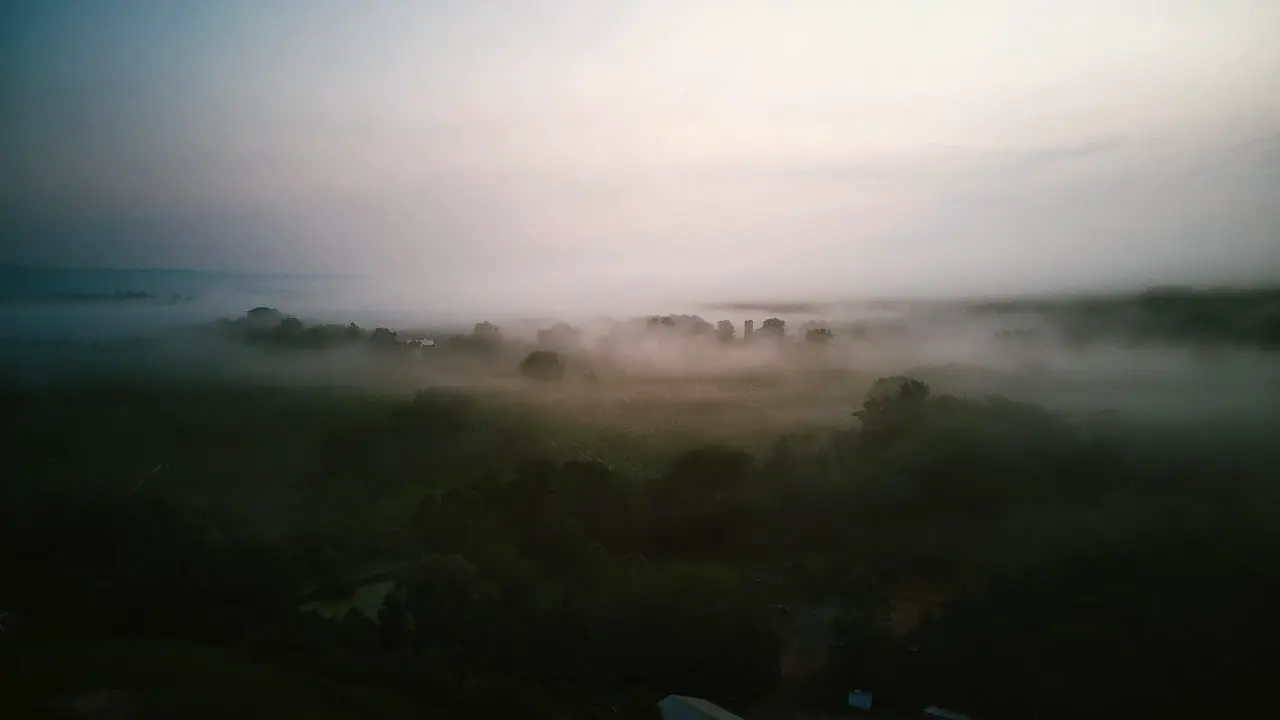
586	149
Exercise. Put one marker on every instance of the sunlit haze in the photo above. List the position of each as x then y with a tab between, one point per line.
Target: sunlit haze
606	153
639	359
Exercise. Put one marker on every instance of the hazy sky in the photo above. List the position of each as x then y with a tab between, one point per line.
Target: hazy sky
731	147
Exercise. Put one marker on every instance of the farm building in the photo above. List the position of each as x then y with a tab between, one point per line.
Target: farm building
681	707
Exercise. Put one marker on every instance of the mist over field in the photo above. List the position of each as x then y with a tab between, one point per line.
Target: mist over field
1163	354
569	359
832	493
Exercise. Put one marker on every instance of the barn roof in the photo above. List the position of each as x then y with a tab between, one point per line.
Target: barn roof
682	707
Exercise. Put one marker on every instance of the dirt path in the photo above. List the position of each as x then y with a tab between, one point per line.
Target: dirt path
807	631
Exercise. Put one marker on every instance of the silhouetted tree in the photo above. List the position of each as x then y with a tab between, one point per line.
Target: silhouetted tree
383	338
818	336
663	322
485	338
264	317
725	330
694	326
774	326
706	500
291	328
543	365
897	388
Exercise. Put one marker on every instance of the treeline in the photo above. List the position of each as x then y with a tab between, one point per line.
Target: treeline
1172	315
268	327
271	328
1062	569
117	296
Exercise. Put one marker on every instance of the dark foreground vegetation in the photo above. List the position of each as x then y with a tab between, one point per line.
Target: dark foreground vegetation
193	544
979	553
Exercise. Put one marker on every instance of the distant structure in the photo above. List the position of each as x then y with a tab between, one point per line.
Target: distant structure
681	707
264	317
365	595
748	328
421	344
365	600
933	712
860	699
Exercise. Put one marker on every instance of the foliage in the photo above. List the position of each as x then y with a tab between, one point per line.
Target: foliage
1140	571
270	328
774	326
542	365
818	336
686	325
1187	629
1161	315
383	338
